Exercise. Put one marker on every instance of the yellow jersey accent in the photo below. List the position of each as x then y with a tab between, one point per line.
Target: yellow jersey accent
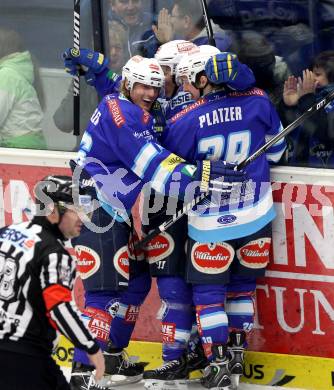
215	67
229	64
100	58
171	162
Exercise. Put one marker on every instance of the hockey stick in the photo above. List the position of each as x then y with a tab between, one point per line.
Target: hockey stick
208	24
187	207
99	44
76	79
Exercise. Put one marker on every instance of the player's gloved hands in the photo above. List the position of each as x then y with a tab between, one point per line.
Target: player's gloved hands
222	68
86	60
218	175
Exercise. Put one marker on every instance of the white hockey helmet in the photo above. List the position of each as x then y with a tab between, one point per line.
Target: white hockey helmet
170	53
194	63
143	70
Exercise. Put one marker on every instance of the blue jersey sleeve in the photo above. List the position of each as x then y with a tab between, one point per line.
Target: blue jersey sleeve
133	144
107	82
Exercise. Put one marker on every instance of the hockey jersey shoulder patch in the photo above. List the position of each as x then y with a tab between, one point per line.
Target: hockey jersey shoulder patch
189	108
115	112
249	92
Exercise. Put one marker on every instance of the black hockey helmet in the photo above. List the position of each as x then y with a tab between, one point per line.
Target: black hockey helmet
59	188
64	192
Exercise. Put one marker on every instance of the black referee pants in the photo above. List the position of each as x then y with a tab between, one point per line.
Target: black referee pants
24	372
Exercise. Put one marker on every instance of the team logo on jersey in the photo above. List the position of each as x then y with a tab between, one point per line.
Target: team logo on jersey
171	162
121	261
159	247
226	219
168	332
189	170
255	254
212	258
88	261
116	112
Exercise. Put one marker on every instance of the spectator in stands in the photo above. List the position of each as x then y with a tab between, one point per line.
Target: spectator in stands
21	97
312	144
118	51
118	55
270	71
137	22
186	22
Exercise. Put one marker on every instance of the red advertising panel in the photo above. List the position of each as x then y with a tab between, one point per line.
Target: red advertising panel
295	300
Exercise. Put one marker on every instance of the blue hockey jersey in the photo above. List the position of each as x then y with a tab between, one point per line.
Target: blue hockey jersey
229	127
119	151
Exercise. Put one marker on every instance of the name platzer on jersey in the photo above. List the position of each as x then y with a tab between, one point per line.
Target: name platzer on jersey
221	115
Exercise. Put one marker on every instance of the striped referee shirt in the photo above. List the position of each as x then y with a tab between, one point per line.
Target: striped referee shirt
36	280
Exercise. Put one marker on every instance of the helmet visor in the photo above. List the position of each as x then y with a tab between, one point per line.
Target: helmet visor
84	207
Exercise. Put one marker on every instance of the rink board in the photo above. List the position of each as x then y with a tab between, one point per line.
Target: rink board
261	368
295	300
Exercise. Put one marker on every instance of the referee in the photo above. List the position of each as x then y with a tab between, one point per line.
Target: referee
36	281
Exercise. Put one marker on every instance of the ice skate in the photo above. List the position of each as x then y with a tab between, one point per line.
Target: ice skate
171	375
82	378
120	369
216	374
196	359
236	352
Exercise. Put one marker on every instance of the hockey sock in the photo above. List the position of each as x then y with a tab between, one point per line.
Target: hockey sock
176	315
240	310
98	319
130	301
212	320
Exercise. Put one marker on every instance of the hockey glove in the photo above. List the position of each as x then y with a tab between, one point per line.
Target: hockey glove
222	68
89	61
217	176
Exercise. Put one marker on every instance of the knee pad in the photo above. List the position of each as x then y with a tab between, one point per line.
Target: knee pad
241	283
174	289
138	289
101	299
208	294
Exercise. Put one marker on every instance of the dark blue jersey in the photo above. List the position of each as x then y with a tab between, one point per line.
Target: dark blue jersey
229	127
119	151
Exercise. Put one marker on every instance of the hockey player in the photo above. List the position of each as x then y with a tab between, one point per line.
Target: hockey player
120	153
174	292
36	280
170	266
229	238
